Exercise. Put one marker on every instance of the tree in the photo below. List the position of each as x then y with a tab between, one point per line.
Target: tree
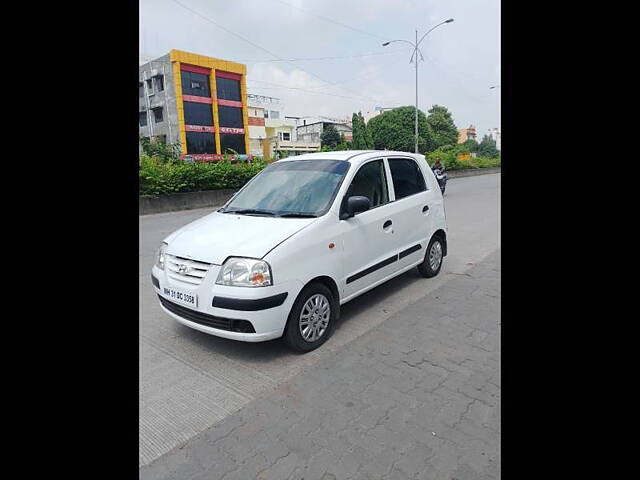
361	135
367	134
471	145
395	130
330	136
487	147
441	123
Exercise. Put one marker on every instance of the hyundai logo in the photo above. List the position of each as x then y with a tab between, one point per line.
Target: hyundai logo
183	269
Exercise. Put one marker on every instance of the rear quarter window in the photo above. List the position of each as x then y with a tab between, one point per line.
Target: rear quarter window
407	177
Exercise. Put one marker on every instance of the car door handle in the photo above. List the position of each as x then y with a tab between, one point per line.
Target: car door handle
425	208
387	224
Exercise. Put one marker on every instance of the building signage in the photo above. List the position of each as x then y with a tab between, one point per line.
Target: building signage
231	130
214	157
256	121
199	128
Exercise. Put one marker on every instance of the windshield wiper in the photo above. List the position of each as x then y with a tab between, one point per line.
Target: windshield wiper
249	211
298	215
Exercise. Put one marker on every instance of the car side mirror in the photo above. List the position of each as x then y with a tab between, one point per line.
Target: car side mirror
353	205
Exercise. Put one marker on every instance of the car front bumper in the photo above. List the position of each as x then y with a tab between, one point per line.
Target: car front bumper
266	308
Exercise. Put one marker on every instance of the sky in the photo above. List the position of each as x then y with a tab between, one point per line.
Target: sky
325	57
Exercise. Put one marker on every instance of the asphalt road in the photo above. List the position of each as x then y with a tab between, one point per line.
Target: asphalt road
190	381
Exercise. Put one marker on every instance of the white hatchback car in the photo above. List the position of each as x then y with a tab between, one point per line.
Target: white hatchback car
304	236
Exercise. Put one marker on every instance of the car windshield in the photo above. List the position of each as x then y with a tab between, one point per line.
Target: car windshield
296	188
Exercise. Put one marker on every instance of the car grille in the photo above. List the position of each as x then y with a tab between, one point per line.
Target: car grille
195	270
206	319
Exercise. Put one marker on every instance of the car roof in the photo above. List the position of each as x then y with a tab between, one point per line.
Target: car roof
351	156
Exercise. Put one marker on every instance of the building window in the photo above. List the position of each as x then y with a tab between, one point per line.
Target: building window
229	141
285	136
195	84
150	86
159	82
157	114
197	114
143	119
274	114
230	117
200	142
228	89
266	114
407	177
141	89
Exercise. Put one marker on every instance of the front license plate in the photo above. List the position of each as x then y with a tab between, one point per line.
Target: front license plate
182	297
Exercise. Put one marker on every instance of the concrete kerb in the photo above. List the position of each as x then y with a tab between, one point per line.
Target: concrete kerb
211	198
184	201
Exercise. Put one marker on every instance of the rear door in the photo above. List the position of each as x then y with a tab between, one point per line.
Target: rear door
412	209
369	239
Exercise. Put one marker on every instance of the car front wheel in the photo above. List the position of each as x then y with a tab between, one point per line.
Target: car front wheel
311	319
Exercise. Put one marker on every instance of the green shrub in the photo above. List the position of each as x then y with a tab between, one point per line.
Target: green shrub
165	152
162	178
448	156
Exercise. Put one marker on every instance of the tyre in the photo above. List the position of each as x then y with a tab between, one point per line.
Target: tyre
312	318
433	257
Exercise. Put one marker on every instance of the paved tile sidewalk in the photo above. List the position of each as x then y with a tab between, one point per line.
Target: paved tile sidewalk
417	397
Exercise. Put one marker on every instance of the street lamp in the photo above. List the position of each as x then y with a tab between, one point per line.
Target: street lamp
415	51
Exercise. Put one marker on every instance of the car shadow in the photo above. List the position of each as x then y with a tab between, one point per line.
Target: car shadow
276	349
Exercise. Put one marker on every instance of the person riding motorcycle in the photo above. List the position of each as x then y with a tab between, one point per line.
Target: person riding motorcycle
438	169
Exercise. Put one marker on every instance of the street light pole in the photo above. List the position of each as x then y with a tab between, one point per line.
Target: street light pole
414	55
416	92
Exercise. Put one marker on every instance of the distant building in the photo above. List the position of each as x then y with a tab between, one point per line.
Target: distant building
378	110
494	133
271	133
312	131
198	101
465	134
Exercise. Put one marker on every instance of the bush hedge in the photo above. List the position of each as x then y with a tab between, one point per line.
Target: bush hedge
448	156
159	177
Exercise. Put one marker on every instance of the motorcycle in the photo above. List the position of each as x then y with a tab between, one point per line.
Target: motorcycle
441	177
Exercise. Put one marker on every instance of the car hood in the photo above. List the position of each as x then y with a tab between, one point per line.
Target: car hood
217	236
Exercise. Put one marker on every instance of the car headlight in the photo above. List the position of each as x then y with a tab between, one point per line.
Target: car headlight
160	256
245	272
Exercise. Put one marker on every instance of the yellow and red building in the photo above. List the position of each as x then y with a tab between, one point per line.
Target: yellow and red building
198	101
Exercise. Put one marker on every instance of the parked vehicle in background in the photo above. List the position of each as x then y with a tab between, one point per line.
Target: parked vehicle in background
304	236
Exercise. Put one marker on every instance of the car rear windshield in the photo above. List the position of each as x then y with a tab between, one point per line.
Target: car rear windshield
296	187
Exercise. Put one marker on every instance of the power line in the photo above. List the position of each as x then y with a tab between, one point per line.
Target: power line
335	22
365	76
256	45
394	52
311	92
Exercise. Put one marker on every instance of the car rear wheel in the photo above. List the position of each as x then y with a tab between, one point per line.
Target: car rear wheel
311	319
432	262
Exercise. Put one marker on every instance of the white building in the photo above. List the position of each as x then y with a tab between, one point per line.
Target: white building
378	110
270	131
494	133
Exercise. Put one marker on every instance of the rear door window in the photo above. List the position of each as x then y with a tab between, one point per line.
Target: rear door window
407	177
